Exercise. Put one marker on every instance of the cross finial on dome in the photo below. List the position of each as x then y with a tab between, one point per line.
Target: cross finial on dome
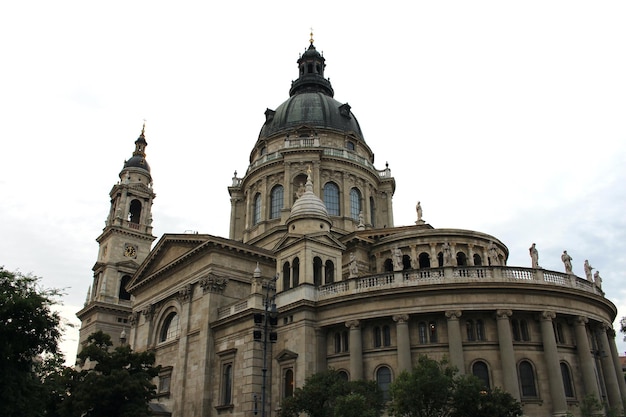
143	128
311	39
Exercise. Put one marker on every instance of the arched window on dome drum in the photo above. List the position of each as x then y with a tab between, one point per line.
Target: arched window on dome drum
135	211
331	198
388	265
481	371
286	276
406	262
276	201
329	272
567	380
295	272
477	260
461	259
372	212
317	271
528	387
123	294
169	330
355	203
424	260
350	145
383	379
256	209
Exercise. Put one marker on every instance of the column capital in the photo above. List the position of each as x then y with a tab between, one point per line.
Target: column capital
581	320
401	318
353	324
454	314
503	314
548	315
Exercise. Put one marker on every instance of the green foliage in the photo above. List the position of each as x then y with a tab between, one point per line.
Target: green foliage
432	389
327	394
118	385
30	332
590	406
423	392
471	399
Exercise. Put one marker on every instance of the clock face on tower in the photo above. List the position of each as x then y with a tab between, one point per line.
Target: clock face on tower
130	251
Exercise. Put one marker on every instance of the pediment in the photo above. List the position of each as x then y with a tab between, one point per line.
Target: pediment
286	355
322	238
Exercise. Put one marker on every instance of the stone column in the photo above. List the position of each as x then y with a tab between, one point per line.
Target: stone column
507	353
356	350
185	294
455	343
287	187
618	366
555	379
404	342
585	357
320	363
608	368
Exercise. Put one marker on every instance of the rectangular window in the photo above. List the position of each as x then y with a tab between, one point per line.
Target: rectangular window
165	380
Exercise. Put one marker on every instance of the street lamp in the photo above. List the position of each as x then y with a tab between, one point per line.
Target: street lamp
265	325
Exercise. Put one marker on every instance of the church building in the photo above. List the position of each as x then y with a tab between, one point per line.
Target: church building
315	274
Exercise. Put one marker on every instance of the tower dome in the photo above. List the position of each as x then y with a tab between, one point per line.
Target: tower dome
309	206
138	160
310	103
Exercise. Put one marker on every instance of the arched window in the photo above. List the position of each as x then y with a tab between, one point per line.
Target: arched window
424	260
350	146
169	329
295	272
343	375
330	272
317	271
383	379
227	384
331	198
256	209
406	262
378	339
480	330
288	383
567	380
286	276
423	333
135	211
276	204
461	259
355	203
388	265
527	380
372	212
123	294
469	327
480	370
386	336
477	260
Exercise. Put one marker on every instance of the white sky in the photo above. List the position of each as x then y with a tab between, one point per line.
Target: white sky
499	116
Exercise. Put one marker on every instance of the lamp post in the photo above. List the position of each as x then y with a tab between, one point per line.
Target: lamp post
266	321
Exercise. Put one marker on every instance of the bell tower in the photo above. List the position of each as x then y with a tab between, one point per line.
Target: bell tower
124	243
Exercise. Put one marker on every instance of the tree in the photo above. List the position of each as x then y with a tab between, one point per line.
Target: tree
472	399
328	394
30	332
623	326
425	391
433	389
119	384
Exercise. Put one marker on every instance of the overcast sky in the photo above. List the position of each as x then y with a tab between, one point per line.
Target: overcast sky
499	116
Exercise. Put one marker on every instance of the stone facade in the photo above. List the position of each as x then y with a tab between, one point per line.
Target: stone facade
312	234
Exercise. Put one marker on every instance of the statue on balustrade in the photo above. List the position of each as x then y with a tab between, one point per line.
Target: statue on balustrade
597	279
447	254
567	261
588	268
397	259
493	254
353	267
534	256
